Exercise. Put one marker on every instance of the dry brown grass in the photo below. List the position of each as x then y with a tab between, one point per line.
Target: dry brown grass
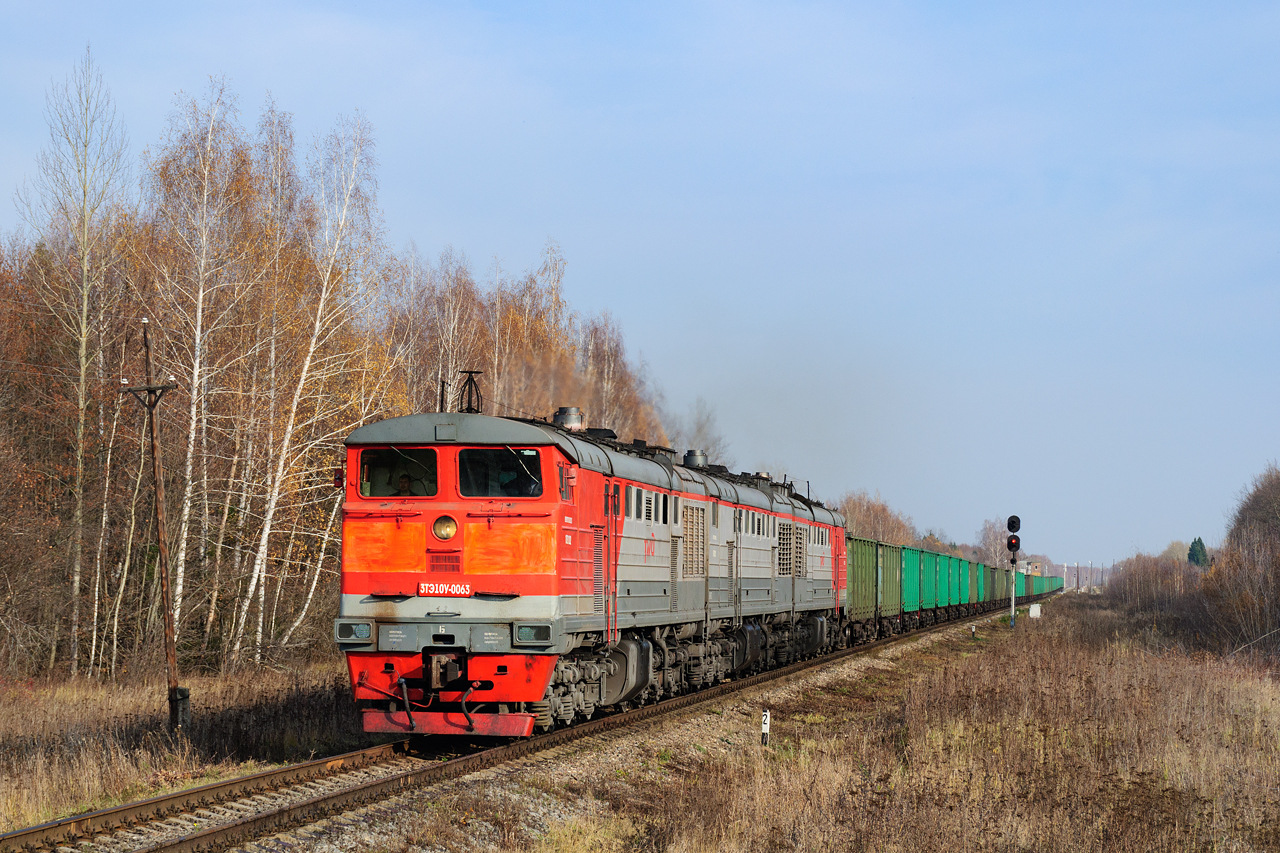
1084	731
1071	735
74	746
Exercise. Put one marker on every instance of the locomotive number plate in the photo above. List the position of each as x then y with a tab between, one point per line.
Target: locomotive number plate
460	590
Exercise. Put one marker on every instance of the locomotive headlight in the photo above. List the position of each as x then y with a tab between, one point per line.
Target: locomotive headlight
352	631
533	635
444	528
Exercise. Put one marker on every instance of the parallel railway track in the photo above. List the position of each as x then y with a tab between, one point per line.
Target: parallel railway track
238	811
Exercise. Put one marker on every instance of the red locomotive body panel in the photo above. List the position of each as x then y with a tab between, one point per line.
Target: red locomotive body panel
514	677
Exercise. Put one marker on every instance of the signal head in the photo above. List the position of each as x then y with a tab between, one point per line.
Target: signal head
1013	543
1014	524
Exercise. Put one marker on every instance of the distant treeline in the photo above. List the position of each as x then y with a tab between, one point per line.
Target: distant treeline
1228	599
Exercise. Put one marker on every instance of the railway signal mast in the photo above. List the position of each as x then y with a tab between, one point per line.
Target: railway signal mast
1014	544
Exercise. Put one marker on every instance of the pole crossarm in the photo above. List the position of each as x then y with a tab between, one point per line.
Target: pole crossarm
153	393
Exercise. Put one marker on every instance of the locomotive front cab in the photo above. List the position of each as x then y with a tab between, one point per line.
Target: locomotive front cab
449	616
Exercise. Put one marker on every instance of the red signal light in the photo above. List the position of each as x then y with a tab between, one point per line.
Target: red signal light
1013	543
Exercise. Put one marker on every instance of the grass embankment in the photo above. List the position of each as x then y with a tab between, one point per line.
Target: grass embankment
1071	734
77	746
1078	732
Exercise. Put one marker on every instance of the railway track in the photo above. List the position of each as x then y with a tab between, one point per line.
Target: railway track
237	811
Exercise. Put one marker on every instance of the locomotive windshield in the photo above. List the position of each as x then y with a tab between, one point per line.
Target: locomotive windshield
391	472
499	472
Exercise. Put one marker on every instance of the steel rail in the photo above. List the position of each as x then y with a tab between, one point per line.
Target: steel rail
72	829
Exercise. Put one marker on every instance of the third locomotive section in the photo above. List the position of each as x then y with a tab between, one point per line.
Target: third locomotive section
503	576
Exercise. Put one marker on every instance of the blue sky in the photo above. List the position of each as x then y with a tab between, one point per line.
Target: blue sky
1012	260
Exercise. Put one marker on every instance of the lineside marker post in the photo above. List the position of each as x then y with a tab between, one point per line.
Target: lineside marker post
179	697
764	728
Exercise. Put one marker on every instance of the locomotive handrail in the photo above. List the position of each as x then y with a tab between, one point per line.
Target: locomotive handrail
355	513
508	515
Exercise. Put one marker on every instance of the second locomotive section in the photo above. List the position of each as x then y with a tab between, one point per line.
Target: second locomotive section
502	576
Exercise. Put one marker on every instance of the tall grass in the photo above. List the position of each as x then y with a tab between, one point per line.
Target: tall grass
1072	735
73	746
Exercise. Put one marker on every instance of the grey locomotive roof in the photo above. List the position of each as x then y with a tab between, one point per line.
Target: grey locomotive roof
458	428
449	427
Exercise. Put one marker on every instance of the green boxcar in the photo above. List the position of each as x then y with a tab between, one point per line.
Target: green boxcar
975	572
953	597
1021	580
981	571
861	579
964	581
928	580
910	580
944	579
890	580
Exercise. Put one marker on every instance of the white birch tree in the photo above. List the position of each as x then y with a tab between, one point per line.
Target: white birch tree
341	239
79	179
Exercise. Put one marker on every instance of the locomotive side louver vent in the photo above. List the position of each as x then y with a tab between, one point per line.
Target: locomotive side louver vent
695	541
597	569
675	572
786	550
733	569
800	552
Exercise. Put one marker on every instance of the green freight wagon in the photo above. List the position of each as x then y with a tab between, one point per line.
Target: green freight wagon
983	587
911	584
928	580
1021	580
861	582
890	591
953	597
965	597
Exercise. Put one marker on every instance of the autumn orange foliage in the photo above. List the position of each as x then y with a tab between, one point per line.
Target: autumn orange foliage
285	322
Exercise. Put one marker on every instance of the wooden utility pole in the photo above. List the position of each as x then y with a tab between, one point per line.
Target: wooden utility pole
179	697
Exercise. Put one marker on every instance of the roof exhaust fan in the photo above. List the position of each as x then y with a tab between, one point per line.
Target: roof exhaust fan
570	418
695	459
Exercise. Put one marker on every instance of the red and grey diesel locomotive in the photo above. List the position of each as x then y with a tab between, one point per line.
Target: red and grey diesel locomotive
501	576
